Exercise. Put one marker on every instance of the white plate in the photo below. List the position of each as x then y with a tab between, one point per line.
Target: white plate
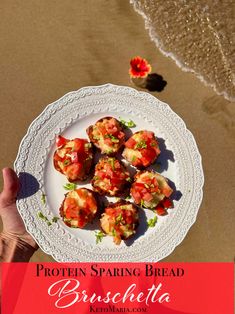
70	116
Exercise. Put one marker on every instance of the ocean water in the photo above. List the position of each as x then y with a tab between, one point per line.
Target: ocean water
198	34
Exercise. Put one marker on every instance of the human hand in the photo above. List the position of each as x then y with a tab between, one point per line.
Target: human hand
12	222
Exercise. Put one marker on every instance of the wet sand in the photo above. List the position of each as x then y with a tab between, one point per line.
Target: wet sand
50	48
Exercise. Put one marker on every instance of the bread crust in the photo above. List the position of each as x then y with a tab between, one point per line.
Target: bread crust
122	188
115	148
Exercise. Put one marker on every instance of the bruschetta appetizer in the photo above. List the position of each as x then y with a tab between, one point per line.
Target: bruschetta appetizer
107	135
111	177
120	220
73	158
151	190
141	149
78	208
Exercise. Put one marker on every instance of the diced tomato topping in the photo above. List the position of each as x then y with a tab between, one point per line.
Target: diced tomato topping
136	195
110	211
145	161
112	129
117	165
70	203
108	141
136	162
167	191
155	182
147	197
102	129
74	157
72	212
116	181
101	175
150	134
121	135
150	153
79	144
161	211
91	202
57	157
60	141
81	222
167	203
73	170
157	150
129	219
109	172
138	186
130	143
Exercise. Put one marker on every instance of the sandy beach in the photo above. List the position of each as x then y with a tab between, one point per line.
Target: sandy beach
50	48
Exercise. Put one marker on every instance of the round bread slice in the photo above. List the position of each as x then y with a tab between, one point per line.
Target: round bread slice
78	208
107	135
111	177
151	189
73	158
120	220
141	149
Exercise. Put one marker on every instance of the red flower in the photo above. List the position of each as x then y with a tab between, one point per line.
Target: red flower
139	67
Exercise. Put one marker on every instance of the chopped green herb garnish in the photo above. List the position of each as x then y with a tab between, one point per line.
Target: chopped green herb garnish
142	203
96	137
141	144
111	161
99	236
96	178
152	222
114	139
69	186
68	220
128	197
109	151
66	162
153	144
41	216
88	145
128	179
114	232
43	199
133	159
119	219
55	219
127	124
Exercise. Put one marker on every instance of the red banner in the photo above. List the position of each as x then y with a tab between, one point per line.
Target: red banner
164	288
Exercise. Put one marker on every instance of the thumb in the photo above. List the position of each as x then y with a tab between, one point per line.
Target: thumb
10	187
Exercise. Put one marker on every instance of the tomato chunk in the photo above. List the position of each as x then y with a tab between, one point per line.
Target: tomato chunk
73	170
60	141
130	143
